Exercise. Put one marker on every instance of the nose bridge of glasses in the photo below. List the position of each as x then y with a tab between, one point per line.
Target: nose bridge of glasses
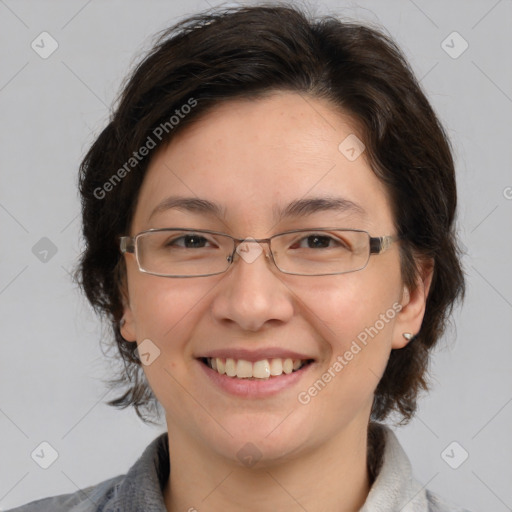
250	248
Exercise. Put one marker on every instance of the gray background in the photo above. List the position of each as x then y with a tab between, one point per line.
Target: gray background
52	365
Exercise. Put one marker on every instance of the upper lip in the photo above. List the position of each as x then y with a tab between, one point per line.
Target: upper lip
255	355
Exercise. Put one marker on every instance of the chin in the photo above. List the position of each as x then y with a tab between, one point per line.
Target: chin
259	439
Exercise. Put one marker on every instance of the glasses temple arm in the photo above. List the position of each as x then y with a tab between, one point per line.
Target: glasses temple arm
127	244
381	243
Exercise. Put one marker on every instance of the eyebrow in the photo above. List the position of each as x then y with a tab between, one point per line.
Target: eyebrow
297	208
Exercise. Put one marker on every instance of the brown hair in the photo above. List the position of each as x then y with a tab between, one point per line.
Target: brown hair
247	52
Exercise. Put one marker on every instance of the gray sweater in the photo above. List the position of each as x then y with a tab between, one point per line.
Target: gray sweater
141	489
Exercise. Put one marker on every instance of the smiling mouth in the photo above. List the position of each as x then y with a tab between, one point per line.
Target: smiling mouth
259	370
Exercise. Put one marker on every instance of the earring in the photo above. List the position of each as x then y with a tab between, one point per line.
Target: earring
122	322
407	335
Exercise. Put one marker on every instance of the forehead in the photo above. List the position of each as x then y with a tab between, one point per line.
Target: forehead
255	157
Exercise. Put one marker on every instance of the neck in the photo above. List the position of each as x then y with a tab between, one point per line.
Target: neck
330	477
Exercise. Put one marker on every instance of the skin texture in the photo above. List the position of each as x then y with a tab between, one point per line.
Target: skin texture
251	156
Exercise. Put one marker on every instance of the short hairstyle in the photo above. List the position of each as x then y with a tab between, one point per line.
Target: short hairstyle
246	53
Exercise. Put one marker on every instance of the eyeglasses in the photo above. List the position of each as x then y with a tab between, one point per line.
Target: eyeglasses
182	252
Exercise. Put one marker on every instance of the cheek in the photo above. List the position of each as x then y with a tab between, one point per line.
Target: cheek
354	317
166	312
342	306
356	360
165	309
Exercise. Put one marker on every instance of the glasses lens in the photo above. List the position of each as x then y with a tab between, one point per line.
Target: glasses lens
183	253
320	252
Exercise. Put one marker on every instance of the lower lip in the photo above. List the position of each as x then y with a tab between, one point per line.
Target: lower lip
254	388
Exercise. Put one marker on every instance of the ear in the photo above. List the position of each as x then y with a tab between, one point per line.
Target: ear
127	325
413	302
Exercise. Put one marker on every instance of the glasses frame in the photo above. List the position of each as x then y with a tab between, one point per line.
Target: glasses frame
377	245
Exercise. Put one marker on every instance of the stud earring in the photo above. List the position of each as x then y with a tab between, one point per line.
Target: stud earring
122	322
407	335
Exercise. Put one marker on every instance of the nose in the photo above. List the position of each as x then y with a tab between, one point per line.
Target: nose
252	292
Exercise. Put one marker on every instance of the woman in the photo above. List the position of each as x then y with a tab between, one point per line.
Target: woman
268	221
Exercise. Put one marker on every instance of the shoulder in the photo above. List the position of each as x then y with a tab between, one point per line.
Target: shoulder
438	504
139	489
395	487
90	499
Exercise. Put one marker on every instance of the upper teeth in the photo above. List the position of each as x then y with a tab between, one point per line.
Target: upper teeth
260	369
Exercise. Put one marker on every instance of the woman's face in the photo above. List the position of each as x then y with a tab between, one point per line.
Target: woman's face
252	159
